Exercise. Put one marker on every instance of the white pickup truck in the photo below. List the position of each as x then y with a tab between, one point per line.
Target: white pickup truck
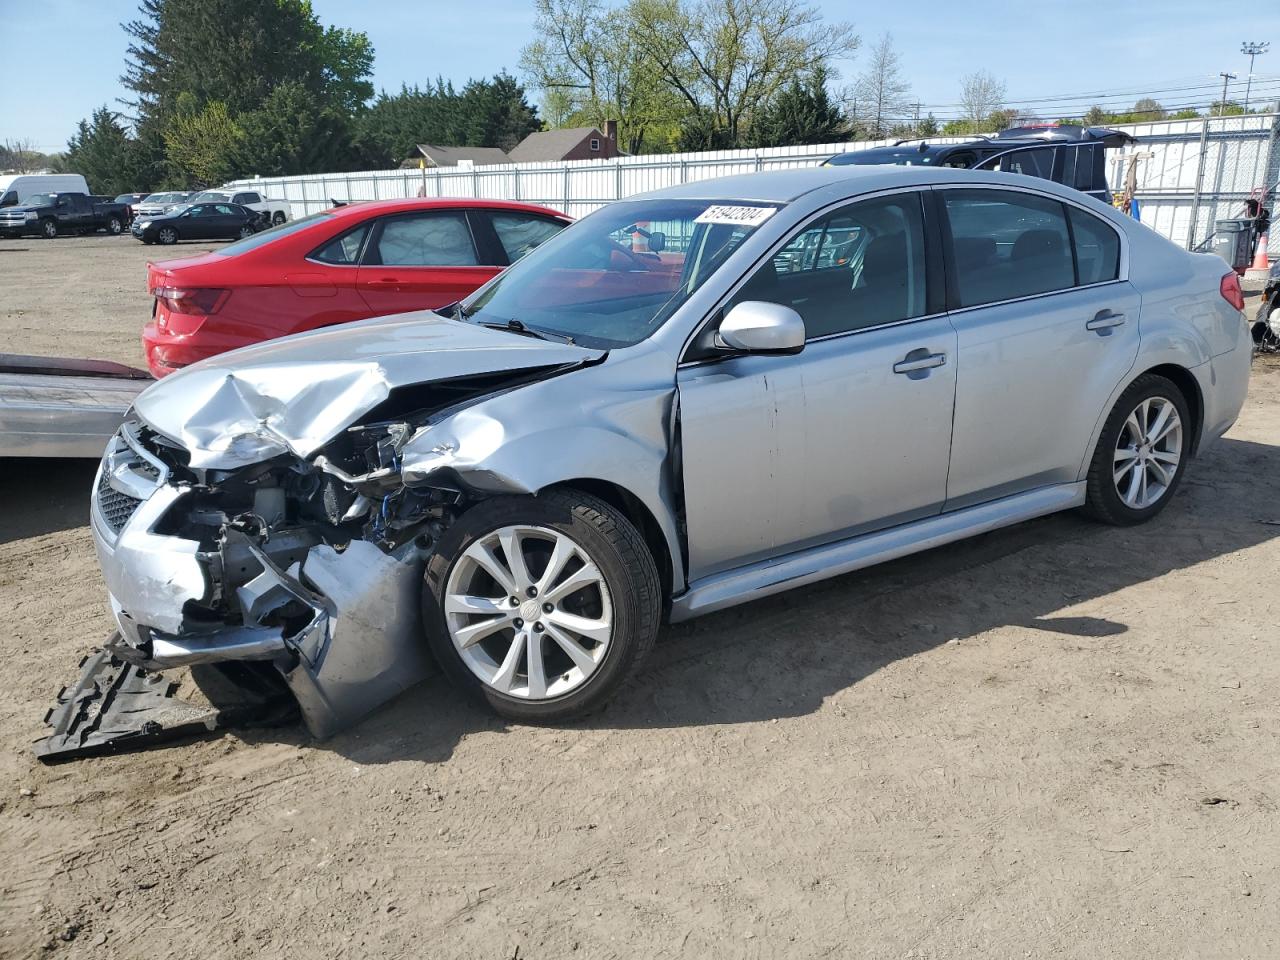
277	211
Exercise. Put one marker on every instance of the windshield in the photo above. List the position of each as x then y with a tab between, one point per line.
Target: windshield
165	198
40	200
614	278
211	196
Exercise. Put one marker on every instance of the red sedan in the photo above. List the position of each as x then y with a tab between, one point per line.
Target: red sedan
348	263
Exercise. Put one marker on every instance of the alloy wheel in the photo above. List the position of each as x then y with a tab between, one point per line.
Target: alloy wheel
1148	452
529	612
168	235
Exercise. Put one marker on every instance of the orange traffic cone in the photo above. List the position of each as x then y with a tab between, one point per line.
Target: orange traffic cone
1260	258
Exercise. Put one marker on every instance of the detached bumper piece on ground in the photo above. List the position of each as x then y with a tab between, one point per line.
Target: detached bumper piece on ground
115	707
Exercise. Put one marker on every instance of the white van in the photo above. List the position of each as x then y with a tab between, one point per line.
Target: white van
15	188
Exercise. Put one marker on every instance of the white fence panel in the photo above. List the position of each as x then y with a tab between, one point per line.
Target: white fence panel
1197	171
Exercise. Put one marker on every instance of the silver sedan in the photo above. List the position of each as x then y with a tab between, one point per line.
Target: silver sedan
687	400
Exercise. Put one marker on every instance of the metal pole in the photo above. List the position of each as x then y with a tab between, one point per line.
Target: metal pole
1222	104
1195	201
1251	50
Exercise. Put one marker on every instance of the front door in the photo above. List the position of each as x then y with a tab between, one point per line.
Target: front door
1047	330
419	261
851	435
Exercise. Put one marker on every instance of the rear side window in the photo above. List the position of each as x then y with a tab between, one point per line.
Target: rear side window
246	198
1097	247
1008	245
1030	163
343	250
520	233
429	240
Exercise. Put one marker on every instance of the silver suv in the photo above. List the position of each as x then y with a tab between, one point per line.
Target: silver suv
688	400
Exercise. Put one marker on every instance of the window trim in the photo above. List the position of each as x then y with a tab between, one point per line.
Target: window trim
365	225
953	300
716	313
375	237
595	144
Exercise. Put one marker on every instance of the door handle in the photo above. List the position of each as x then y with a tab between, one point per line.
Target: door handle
1104	319
387	280
911	364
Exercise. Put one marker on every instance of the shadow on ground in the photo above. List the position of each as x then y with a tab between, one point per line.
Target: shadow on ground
783	656
40	496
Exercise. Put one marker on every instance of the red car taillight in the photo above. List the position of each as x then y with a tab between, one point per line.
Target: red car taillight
199	301
1229	287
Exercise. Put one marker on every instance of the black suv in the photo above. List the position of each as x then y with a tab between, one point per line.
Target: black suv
1065	153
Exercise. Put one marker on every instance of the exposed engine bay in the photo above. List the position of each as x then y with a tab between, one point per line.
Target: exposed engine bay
307	568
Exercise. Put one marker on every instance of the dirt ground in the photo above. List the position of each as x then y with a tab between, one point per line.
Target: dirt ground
1057	740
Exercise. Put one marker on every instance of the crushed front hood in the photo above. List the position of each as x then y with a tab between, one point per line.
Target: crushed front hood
295	394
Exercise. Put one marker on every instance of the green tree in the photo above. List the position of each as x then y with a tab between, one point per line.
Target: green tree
203	146
800	113
102	150
928	127
1095	116
291	133
495	113
1148	109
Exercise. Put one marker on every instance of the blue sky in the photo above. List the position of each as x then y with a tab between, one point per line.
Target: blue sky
1046	48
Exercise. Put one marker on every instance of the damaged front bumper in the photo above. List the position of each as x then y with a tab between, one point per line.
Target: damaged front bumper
353	637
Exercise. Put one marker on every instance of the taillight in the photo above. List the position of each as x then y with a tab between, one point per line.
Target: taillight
203	300
1229	287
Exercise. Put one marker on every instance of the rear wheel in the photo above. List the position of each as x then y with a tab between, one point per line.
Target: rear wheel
245	231
114	226
542	606
1263	333
49	228
277	218
167	235
1141	454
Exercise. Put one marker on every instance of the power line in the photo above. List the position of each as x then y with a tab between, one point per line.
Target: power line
1101	95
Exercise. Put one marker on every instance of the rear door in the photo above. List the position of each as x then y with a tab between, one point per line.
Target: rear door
419	261
1047	328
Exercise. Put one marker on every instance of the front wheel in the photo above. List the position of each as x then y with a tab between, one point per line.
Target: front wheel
167	235
49	228
277	218
542	605
1141	454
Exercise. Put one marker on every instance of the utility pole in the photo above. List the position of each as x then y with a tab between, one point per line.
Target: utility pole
1222	104
1251	50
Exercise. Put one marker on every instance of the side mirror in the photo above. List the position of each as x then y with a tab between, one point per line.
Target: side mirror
756	326
657	242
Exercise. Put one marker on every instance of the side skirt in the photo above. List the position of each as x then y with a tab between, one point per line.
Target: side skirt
831	560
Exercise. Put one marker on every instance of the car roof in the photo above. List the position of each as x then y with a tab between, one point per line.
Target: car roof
784	186
787	186
405	204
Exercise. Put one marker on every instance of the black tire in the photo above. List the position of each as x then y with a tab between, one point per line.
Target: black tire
245	231
167	235
1103	501
277	218
1261	330
49	228
114	226
620	554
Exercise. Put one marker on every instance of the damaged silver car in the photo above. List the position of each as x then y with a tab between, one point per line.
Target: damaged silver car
687	400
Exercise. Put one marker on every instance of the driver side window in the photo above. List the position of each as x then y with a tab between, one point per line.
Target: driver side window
861	266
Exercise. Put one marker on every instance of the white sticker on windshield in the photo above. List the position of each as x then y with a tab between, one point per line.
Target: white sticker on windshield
737	216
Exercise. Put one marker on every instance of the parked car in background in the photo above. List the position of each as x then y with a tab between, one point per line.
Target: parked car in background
624	428
276	211
131	200
348	263
198	221
1064	153
16	188
52	214
158	204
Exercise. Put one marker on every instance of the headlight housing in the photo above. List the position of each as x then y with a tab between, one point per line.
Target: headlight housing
32	215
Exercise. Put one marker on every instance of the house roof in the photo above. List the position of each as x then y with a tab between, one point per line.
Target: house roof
551	144
443	156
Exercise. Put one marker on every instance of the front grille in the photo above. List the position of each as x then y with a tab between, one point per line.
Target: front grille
116	507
